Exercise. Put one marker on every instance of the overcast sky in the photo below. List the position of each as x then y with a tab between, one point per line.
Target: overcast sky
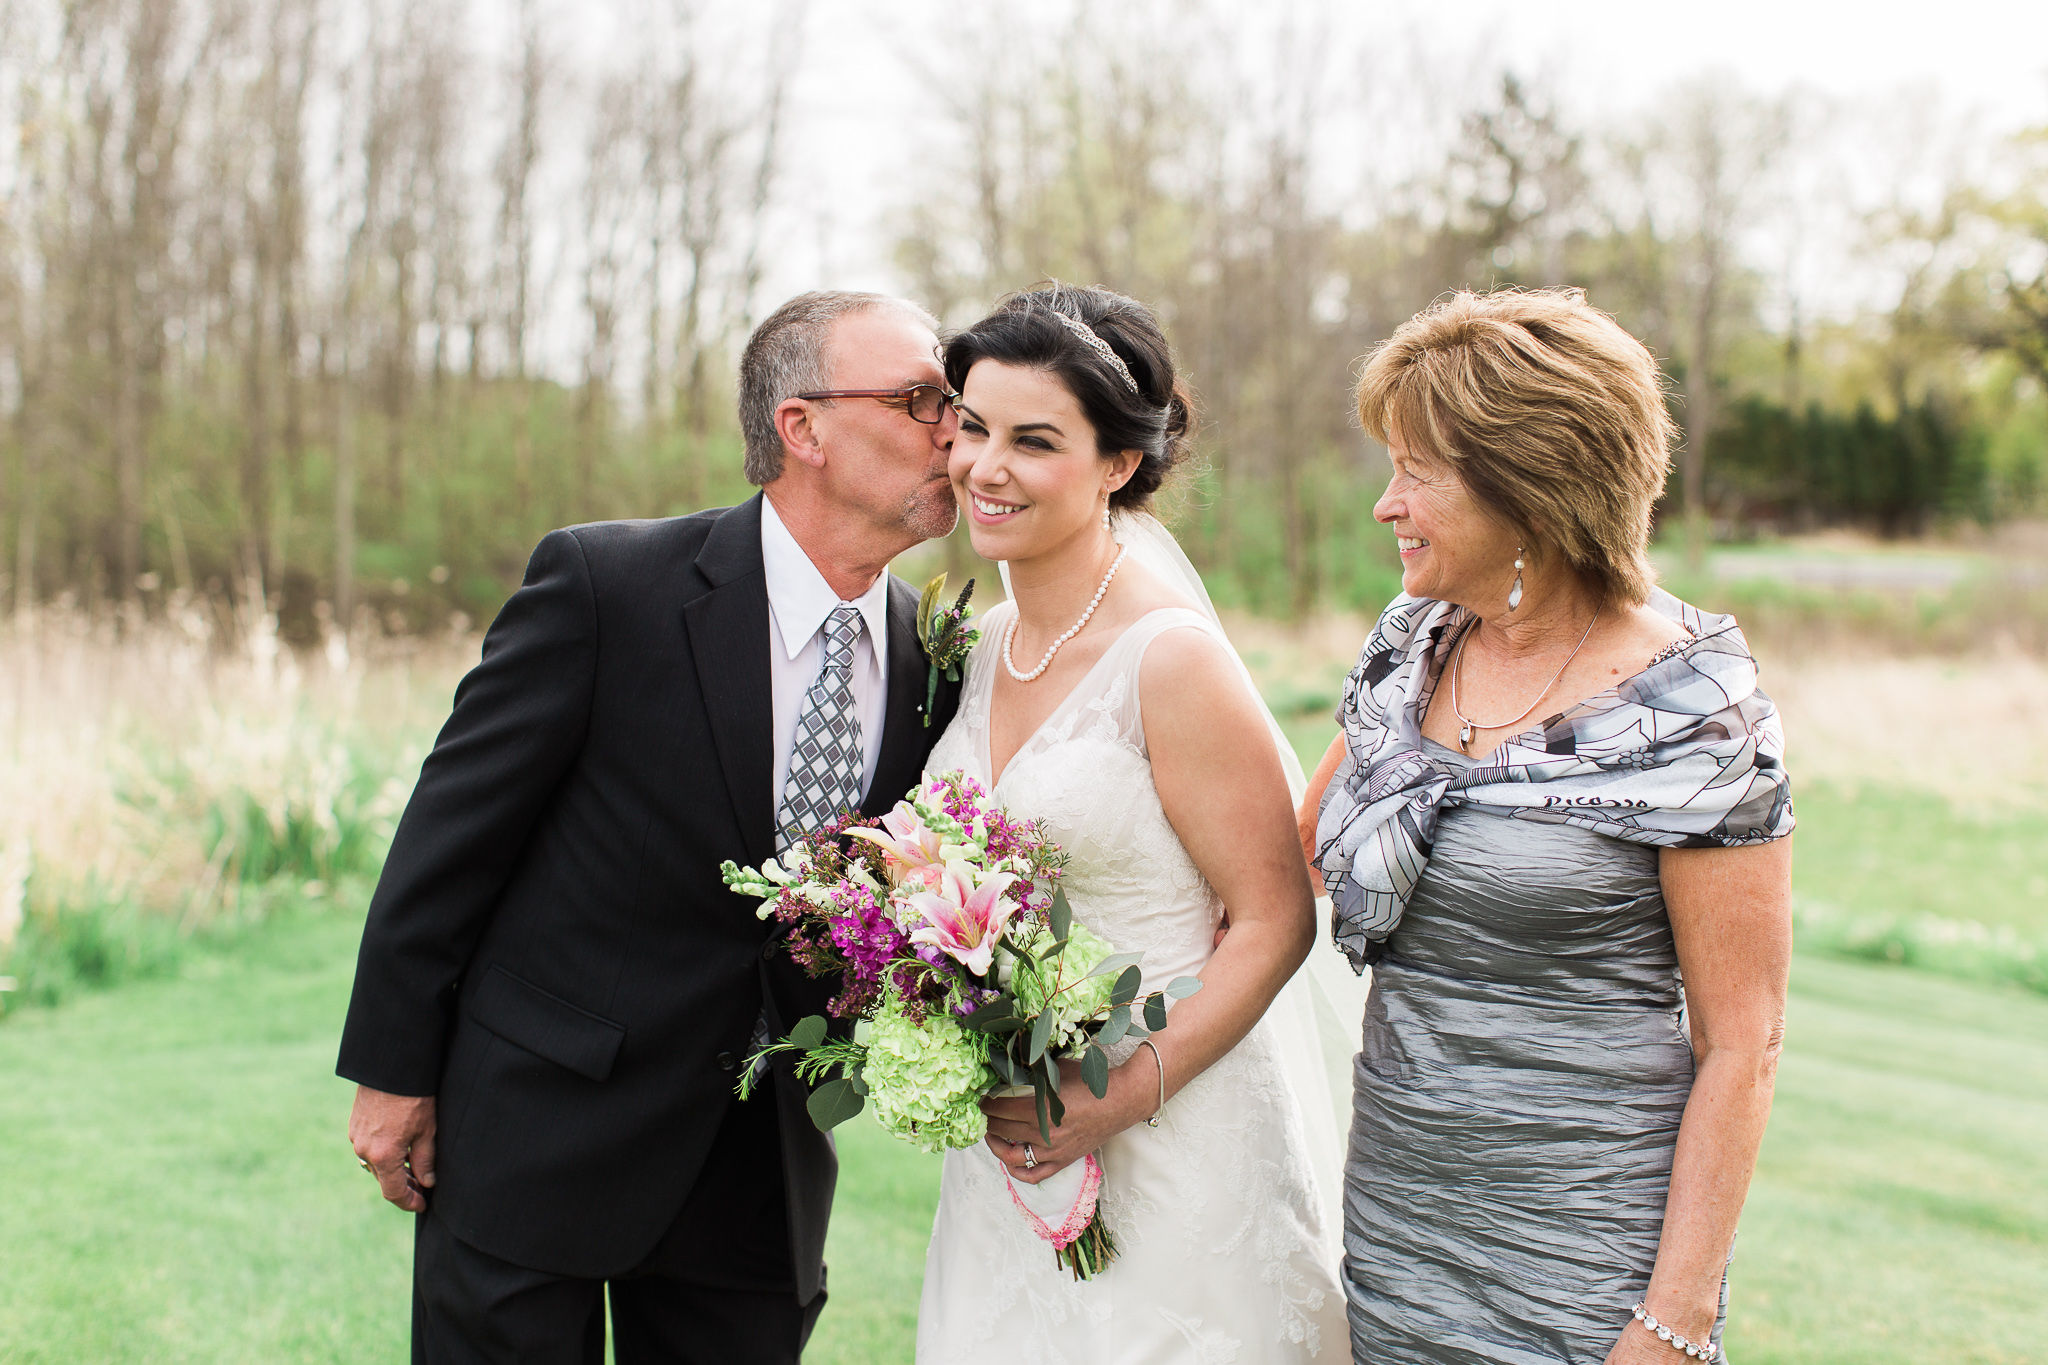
858	104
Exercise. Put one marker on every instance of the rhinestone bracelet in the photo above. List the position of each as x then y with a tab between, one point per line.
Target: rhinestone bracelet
1705	1350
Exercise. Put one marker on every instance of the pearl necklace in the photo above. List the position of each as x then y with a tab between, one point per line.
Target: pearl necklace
1010	635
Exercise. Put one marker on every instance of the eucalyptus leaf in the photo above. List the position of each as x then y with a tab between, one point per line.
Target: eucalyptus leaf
1051	1067
1041	1034
833	1103
858	1079
1155	1011
1181	987
1126	988
1038	1094
1095	1071
1009	1025
1115	1027
1115	962
998	1008
809	1032
1061	916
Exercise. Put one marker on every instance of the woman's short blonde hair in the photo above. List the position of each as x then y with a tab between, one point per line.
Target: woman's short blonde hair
1548	412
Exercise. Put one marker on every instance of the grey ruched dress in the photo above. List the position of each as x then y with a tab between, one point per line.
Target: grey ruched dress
1517	1099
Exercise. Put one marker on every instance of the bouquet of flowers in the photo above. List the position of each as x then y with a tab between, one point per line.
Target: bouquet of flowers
946	923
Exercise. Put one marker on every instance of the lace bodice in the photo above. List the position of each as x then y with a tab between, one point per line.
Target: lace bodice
1086	773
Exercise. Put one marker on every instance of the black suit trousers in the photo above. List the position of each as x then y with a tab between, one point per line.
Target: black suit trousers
719	1288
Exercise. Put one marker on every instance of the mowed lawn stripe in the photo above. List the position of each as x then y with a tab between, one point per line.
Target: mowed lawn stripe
178	1187
1900	1211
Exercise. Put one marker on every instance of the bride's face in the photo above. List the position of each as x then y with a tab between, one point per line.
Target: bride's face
1025	466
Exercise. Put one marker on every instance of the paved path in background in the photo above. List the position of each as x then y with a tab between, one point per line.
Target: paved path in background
1894	572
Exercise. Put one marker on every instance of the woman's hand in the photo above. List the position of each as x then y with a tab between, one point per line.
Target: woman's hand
1638	1345
1087	1124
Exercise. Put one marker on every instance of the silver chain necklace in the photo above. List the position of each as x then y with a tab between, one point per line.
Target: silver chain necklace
1466	725
1010	635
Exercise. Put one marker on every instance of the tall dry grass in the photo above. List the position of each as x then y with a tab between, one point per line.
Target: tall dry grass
155	785
190	774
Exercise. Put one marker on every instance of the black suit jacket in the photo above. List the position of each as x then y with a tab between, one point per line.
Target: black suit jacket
550	949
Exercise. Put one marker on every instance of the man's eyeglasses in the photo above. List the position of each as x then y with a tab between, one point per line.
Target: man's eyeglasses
925	403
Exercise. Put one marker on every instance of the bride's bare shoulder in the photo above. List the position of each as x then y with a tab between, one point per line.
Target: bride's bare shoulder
1146	592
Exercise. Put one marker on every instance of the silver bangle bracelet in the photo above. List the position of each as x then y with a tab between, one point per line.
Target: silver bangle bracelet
1153	1122
1704	1350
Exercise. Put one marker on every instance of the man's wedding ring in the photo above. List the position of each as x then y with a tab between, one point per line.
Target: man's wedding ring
1030	1161
364	1163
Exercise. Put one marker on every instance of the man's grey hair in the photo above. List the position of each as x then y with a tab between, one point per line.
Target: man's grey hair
789	354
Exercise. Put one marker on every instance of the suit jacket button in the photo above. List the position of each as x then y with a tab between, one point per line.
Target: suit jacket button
726	1061
768	951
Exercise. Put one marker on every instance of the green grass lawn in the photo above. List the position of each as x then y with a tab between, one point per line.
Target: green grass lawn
1991	870
178	1187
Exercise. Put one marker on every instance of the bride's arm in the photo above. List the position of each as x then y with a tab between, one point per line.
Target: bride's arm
1221	784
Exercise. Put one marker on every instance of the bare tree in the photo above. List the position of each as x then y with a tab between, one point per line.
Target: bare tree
1709	160
512	256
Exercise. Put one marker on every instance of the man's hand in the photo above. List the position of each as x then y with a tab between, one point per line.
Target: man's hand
395	1135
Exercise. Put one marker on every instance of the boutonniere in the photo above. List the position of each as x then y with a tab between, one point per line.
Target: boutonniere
944	636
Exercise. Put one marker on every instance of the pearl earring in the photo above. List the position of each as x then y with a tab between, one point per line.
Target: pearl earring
1105	511
1515	592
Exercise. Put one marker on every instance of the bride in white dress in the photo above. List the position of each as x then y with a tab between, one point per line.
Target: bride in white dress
1105	701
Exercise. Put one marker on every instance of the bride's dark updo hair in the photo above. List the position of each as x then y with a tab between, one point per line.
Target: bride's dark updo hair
1156	419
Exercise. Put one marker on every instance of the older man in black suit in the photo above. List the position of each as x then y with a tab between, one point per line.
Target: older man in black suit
555	989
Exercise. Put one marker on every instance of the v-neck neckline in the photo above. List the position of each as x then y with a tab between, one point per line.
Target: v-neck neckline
988	764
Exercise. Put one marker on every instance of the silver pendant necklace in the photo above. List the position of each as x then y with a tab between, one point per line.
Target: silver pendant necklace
1466	725
1010	635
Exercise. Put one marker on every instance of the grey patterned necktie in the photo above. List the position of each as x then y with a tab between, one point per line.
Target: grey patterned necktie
826	760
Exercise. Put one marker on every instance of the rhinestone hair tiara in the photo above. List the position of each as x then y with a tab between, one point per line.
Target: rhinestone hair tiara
1096	344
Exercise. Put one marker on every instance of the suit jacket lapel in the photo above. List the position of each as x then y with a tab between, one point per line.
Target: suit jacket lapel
905	738
729	641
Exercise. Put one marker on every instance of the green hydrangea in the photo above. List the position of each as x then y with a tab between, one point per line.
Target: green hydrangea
924	1080
1082	1001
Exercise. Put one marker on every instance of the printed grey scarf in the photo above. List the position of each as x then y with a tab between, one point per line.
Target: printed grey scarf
1686	754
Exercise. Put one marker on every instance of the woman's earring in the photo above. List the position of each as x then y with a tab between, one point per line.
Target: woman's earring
1515	592
1105	511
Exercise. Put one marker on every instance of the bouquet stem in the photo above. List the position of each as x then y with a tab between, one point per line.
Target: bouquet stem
1090	1253
1081	1241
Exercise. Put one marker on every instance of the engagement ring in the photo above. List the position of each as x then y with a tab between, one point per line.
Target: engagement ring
1030	1161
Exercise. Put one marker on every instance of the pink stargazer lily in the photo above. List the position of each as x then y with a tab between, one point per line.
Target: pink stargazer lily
963	920
910	847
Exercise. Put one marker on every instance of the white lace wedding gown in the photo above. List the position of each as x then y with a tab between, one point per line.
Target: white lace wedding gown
1219	1213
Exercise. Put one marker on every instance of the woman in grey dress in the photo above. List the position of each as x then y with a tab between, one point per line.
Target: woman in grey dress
1579	925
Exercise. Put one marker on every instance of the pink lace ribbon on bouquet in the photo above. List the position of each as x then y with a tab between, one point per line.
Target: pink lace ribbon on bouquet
1078	1217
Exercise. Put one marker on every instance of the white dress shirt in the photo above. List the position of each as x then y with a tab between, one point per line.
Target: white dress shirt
799	601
